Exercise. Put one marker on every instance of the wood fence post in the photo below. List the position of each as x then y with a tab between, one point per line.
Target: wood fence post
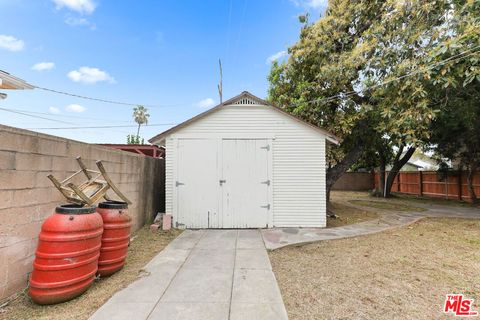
420	183
446	185
460	185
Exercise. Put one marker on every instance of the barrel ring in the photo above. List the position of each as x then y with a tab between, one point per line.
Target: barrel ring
72	208
111	204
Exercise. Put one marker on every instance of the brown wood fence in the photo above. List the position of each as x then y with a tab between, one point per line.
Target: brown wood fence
452	185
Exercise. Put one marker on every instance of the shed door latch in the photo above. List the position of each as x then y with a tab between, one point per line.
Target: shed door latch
179	184
266	207
266	182
267	147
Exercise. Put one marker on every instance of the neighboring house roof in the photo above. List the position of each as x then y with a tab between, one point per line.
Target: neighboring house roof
423	164
407	167
7	81
244	98
145	149
415	164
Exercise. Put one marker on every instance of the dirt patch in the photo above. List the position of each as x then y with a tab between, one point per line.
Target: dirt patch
398	274
347	215
143	248
387	205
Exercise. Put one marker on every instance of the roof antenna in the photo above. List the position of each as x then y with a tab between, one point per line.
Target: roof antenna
220	85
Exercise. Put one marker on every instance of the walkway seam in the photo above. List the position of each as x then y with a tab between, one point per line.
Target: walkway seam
174	276
233	277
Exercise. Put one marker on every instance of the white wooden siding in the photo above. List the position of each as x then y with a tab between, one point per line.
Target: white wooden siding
298	159
169	160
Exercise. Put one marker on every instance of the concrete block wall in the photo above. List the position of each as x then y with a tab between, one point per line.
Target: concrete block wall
355	181
27	197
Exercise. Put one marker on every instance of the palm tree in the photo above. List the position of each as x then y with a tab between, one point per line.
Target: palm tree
140	116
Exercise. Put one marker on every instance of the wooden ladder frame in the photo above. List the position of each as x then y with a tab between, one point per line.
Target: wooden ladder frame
90	191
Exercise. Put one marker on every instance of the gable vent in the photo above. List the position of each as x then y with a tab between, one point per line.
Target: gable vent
247	100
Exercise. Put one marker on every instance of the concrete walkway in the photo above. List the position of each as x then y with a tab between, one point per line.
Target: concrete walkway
204	274
282	237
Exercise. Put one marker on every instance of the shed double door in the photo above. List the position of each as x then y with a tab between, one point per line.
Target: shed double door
223	183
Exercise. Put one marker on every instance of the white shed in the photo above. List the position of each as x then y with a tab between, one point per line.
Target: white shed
245	164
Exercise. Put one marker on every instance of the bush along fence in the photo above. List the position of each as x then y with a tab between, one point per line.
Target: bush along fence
447	185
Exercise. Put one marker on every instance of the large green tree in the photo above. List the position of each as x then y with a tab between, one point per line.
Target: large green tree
455	87
456	131
334	74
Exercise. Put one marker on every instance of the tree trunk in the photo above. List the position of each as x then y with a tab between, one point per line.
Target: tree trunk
381	185
471	189
359	137
398	163
334	173
138	132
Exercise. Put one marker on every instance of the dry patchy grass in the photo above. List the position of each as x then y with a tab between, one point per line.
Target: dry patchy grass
397	199
394	206
434	201
143	248
398	274
347	215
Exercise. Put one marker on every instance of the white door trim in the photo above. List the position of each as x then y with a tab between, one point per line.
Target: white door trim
175	212
272	183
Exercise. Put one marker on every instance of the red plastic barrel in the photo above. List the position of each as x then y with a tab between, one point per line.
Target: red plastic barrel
116	236
67	254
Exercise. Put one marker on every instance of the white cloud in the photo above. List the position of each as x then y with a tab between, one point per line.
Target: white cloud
53	110
81	6
277	56
41	66
11	43
314	4
90	75
206	103
80	22
75	108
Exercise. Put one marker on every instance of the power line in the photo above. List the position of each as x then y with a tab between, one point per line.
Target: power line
62	115
240	30
349	93
106	100
456	57
34	116
44	118
228	30
104	127
16	111
343	95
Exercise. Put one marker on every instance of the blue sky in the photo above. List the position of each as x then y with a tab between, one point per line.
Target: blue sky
159	53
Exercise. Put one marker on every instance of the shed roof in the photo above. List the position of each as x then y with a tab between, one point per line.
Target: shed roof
244	98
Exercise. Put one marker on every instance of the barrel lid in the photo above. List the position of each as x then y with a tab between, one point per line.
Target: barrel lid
72	208
113	205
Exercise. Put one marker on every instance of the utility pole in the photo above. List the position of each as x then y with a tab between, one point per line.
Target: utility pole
220	85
